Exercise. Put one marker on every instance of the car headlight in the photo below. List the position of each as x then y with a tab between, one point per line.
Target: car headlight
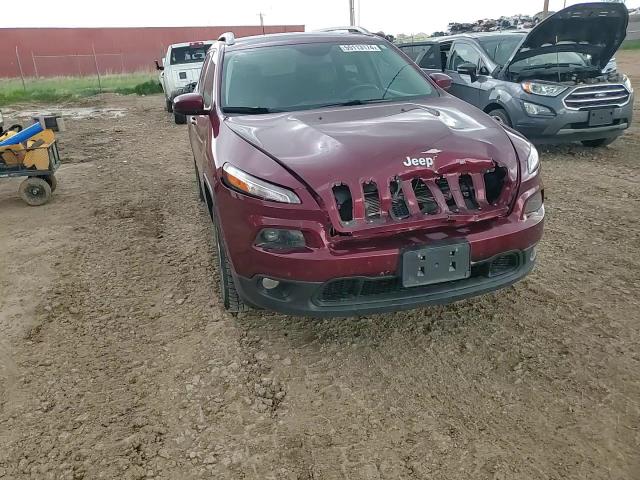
534	109
255	187
627	83
533	160
544	89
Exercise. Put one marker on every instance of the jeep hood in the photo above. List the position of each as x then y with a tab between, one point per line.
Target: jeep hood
597	29
356	145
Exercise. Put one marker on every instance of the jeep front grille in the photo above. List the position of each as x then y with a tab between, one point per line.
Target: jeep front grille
472	195
593	96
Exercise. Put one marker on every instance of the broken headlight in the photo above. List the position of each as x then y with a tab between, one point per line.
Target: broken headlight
544	89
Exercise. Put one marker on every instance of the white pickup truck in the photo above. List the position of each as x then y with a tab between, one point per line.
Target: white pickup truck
179	69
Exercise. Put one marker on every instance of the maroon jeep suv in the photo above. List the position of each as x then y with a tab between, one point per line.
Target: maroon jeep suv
342	179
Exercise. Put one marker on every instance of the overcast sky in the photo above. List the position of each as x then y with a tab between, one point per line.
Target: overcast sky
400	16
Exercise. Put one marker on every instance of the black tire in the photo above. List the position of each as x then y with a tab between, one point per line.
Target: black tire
198	182
600	142
230	298
35	191
51	180
500	115
179	118
169	105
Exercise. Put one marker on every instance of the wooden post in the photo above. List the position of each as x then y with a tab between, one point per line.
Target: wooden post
545	9
35	67
95	60
24	87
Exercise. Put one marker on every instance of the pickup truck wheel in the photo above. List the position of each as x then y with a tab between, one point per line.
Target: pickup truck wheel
169	105
179	118
230	298
600	142
500	116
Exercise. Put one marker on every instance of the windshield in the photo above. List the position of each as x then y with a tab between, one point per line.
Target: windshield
313	75
552	58
190	54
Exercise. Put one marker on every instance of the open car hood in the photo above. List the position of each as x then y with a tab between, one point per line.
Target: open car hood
597	29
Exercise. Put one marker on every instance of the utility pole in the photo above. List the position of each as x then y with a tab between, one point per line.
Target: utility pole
261	15
545	10
352	13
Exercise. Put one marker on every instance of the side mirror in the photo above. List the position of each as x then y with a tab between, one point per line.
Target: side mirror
469	69
443	80
158	66
189	104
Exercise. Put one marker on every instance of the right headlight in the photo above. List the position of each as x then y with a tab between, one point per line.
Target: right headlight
533	160
627	83
544	89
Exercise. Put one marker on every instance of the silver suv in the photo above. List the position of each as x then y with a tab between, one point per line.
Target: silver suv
550	83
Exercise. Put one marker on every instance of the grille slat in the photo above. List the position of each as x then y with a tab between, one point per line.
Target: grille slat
613	95
476	195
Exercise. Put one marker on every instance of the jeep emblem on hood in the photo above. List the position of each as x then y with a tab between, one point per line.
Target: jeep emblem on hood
423	161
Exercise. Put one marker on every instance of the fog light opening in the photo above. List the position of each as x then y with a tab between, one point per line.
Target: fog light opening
270	283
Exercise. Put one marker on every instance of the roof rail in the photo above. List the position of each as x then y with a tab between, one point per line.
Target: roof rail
227	37
349	29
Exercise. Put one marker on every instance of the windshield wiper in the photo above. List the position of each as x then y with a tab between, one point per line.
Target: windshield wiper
351	103
249	110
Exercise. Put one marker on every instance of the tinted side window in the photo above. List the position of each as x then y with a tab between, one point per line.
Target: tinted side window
410	51
463	53
430	57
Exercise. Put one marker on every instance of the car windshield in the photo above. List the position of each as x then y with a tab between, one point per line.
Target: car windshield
314	75
189	54
552	59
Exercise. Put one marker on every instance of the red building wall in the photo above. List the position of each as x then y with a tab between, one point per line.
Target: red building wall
69	51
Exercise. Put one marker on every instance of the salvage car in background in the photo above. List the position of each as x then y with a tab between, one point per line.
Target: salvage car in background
554	84
179	69
342	179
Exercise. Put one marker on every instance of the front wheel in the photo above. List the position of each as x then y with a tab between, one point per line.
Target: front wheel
600	142
500	115
230	298
179	118
169	105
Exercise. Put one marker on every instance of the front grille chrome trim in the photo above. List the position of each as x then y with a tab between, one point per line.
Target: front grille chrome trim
610	95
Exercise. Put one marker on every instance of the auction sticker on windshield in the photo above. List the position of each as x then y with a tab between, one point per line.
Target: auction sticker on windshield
360	48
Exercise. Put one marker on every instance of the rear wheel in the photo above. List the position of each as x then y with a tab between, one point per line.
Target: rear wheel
179	118
51	180
35	191
500	116
600	142
230	298
169	105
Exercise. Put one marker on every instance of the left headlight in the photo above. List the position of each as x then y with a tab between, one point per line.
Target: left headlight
533	160
544	89
255	187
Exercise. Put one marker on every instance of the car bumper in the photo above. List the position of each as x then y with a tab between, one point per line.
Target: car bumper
571	125
352	296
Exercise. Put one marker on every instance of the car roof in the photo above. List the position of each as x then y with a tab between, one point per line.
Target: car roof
301	37
468	35
187	44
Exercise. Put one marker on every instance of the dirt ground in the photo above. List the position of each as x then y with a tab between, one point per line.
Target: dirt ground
117	360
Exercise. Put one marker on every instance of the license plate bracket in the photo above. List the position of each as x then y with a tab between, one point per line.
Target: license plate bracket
436	264
601	117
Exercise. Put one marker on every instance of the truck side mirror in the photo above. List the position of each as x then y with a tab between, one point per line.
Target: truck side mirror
468	69
158	66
